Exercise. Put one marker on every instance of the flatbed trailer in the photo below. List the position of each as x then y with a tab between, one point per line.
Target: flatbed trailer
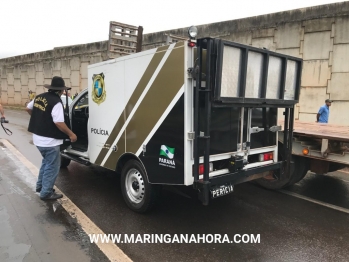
321	148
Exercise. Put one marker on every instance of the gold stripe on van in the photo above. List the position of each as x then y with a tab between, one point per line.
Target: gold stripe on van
158	98
154	63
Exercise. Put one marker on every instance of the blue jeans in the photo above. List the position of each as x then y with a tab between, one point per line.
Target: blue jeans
49	169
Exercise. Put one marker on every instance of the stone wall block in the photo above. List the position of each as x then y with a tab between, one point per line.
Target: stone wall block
75	63
18	98
317	45
11	101
17	72
11	91
341	34
311	98
10	78
4	97
39	78
96	59
315	73
47	81
318	25
24	78
65	69
330	61
264	32
56	73
85	58
307	117
48	70
24	91
267	42
17	85
32	85
3	72
24	68
288	35
83	70
39	89
39	66
31	71
83	85
75	78
290	51
336	113
340	58
338	86
56	65
67	82
4	85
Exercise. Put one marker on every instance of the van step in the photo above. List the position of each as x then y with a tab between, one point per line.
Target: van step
75	158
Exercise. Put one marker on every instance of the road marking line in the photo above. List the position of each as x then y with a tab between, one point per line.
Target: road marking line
341	209
111	250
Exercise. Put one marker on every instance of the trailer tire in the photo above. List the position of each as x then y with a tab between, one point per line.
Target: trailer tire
65	162
273	184
138	193
301	167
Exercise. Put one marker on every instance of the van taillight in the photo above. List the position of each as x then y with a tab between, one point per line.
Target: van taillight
202	168
266	157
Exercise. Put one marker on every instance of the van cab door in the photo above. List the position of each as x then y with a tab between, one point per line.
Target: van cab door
79	115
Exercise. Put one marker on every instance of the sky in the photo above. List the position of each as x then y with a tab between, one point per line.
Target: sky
28	26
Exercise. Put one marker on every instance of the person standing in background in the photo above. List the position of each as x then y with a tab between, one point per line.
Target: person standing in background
324	112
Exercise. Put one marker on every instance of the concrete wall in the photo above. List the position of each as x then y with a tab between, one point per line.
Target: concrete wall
20	74
319	35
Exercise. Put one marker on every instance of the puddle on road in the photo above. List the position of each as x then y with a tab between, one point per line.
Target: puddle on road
73	232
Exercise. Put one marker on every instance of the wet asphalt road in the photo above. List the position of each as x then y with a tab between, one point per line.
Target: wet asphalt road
291	229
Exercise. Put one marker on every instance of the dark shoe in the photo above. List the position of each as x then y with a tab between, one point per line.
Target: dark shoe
53	196
38	190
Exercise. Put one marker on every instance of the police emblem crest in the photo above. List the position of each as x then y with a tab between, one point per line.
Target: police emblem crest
98	88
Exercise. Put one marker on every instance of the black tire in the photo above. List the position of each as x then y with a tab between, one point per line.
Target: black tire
138	193
301	167
65	162
273	184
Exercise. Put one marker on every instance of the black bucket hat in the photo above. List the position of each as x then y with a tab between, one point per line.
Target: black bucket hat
57	83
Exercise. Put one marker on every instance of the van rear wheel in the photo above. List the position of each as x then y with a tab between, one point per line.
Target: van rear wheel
138	193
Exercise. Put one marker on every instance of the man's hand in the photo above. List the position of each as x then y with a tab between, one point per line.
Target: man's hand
63	127
73	137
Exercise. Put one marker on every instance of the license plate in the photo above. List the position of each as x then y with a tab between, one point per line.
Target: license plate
222	191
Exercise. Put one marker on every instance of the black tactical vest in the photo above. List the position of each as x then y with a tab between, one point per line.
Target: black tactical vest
41	122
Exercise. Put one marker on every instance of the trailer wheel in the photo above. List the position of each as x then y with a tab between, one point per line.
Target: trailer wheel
301	167
271	182
138	194
65	162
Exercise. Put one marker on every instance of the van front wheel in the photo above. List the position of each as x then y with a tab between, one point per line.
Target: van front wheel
138	193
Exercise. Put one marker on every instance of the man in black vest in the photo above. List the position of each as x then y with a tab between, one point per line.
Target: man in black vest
48	128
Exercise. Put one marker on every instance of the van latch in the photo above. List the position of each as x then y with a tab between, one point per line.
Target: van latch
191	135
275	128
256	129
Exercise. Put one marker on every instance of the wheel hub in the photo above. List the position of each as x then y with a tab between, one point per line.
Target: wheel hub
134	185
